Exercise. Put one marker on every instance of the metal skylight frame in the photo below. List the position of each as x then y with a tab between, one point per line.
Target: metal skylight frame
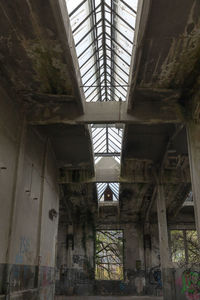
114	186
107	140
103	32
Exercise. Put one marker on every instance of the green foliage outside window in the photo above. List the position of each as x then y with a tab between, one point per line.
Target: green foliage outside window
109	255
184	247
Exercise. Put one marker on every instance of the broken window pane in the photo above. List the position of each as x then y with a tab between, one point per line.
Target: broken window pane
109	255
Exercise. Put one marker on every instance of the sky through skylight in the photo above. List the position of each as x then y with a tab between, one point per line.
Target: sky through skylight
103	32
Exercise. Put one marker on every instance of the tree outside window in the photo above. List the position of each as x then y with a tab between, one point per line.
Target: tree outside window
109	255
184	247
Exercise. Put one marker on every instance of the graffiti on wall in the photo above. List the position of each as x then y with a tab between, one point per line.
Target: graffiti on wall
155	277
24	250
80	260
189	283
75	275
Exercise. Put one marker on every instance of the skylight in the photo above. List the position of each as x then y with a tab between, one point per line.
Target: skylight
107	141
103	32
101	186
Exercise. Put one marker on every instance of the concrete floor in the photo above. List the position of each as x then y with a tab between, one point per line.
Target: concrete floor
107	298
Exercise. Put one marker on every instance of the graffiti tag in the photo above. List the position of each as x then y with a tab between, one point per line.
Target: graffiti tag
156	277
190	283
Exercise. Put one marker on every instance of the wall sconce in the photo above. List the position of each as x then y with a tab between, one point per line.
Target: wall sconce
53	214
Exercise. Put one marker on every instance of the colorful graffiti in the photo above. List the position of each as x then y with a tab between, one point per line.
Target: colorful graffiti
122	286
156	277
190	284
75	275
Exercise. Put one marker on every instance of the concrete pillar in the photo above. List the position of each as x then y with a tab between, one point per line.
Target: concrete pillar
166	264
147	247
17	184
193	133
41	209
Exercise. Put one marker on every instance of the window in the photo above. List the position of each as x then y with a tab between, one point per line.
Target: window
184	246
109	255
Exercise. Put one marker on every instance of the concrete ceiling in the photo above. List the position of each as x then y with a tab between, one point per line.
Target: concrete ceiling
167	53
36	61
40	70
72	145
146	142
165	72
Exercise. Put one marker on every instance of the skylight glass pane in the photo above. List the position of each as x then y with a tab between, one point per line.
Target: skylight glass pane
101	186
103	34
71	5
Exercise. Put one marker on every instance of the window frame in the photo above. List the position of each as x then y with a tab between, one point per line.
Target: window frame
185	242
123	256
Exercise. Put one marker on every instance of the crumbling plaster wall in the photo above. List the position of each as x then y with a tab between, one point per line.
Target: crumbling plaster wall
142	270
75	261
133	282
28	179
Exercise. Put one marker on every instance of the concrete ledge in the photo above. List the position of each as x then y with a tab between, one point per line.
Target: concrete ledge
19	294
108	298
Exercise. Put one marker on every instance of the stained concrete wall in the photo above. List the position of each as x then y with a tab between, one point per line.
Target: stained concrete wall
134	281
76	263
28	179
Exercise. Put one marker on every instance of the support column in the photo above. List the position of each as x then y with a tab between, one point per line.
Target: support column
17	183
41	211
166	264
147	248
193	134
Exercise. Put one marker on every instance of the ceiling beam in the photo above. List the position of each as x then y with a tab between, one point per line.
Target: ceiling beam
145	111
69	52
114	176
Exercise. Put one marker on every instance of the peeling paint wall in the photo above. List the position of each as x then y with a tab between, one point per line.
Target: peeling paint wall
76	248
28	236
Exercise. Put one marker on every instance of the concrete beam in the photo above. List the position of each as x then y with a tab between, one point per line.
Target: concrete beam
113	175
140	29
144	112
59	9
